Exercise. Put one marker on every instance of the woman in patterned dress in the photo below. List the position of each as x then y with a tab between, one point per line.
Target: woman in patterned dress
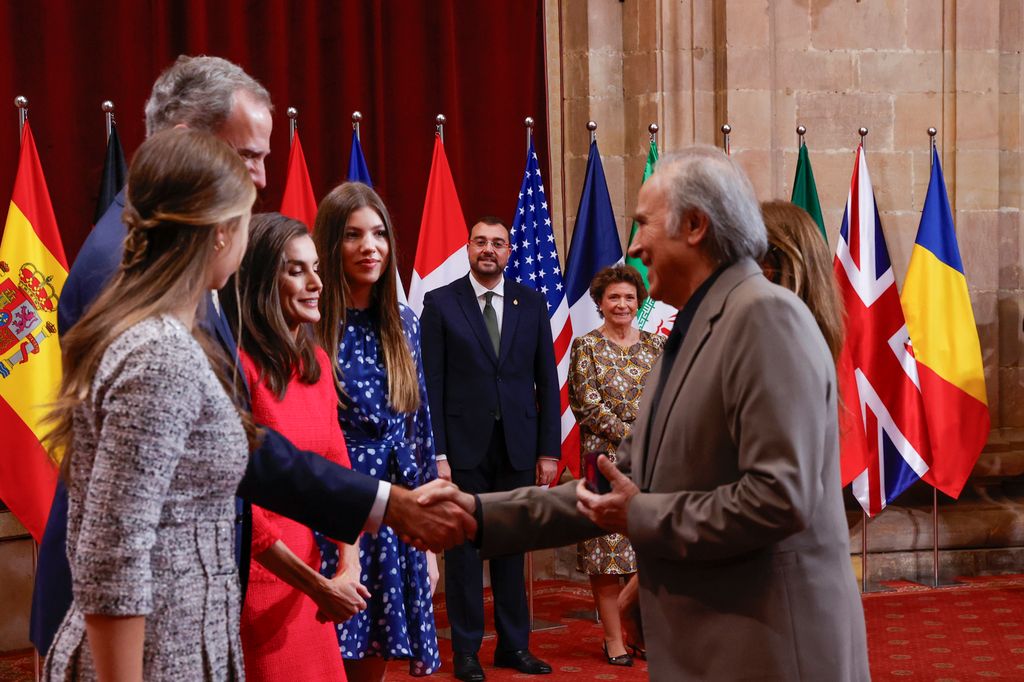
386	421
275	302
607	371
154	447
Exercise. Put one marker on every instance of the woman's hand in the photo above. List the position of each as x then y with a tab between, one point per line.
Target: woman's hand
432	572
339	598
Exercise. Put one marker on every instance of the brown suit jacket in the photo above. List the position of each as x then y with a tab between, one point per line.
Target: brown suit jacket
740	534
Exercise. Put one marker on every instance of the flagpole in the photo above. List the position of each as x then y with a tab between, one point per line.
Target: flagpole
529	132
440	120
932	132
862	131
592	127
800	132
652	130
21	102
356	119
293	124
108	114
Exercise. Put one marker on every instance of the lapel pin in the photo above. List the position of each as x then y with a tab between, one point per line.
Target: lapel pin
515	301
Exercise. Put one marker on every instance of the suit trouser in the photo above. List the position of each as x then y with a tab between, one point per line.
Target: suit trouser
463	568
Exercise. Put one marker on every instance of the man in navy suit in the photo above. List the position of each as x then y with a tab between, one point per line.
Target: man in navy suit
209	93
493	391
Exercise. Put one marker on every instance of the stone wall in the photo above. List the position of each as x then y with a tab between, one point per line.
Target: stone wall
765	66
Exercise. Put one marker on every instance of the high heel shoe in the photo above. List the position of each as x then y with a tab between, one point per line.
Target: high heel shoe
637	652
623	661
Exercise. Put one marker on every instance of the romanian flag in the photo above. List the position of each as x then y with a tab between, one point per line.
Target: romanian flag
298	201
32	272
945	341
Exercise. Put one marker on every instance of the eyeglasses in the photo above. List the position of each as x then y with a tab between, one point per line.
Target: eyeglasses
497	244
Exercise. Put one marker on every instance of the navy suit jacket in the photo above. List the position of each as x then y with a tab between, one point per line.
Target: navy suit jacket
300	485
467	383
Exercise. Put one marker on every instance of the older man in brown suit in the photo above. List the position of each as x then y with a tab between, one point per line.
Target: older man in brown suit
729	485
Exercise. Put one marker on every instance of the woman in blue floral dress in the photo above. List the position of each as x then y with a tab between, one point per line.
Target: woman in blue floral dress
386	421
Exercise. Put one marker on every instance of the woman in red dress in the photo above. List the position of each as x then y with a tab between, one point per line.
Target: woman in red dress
289	609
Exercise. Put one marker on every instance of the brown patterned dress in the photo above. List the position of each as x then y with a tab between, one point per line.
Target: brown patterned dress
605	382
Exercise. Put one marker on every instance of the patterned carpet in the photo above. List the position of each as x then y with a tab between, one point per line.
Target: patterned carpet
972	630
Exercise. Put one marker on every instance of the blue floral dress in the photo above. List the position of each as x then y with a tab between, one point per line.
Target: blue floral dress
397	447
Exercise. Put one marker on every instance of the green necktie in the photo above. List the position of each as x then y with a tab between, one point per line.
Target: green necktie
491	320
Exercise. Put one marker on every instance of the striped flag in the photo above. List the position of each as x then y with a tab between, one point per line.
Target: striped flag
652	316
441	253
32	273
595	244
883	438
805	191
298	201
357	169
115	174
534	263
359	172
941	323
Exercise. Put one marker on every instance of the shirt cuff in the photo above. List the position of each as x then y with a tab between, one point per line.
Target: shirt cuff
440	458
553	459
380	505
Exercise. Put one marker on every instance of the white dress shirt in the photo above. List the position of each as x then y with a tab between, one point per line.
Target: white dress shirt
497	301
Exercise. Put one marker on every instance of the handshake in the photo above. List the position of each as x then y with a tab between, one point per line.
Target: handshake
435	517
438	515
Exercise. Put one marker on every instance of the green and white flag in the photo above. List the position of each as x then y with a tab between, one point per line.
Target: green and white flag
805	192
653	316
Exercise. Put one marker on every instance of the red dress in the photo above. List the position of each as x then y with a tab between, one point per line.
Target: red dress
281	638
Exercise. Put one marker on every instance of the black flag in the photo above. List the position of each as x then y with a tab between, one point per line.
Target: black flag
115	172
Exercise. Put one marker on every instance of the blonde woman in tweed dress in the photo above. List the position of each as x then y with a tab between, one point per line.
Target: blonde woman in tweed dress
154	445
607	371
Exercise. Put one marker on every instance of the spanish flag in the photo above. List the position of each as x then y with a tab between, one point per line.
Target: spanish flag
945	340
32	272
298	201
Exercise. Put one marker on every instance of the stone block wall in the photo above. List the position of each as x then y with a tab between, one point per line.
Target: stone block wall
765	66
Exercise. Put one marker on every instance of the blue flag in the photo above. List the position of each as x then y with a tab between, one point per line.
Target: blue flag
595	245
357	170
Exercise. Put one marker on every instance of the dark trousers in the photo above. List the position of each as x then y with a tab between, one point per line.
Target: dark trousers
463	568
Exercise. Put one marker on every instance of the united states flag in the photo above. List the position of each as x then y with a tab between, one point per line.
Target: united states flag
534	263
883	440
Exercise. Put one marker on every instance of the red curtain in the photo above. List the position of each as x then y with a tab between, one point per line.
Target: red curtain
399	62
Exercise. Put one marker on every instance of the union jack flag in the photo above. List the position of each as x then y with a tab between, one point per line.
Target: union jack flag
534	263
883	438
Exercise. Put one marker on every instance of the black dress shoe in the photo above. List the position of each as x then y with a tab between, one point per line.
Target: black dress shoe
522	660
467	668
624	660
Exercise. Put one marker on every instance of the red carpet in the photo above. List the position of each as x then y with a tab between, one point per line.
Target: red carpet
974	630
970	631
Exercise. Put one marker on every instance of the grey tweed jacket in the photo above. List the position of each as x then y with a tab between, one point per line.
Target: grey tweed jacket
158	453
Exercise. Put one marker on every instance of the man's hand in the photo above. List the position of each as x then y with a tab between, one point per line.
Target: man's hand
430	495
438	527
339	599
546	469
444	470
608	511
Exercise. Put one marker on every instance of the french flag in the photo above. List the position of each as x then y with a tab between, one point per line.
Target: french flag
441	252
883	435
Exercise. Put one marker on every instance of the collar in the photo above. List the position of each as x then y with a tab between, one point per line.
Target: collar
479	289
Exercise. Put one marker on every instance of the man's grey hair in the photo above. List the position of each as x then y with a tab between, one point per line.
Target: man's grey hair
199	92
705	179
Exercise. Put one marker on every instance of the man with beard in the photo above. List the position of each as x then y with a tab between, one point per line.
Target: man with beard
493	391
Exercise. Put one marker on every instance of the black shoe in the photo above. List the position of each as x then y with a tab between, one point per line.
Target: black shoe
624	660
467	668
521	660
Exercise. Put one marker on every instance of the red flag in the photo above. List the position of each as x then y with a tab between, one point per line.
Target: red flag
298	201
32	273
441	253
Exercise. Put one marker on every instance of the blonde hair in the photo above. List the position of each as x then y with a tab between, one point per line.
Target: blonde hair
182	184
805	266
335	209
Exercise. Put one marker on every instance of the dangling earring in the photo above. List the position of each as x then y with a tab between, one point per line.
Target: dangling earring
219	245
